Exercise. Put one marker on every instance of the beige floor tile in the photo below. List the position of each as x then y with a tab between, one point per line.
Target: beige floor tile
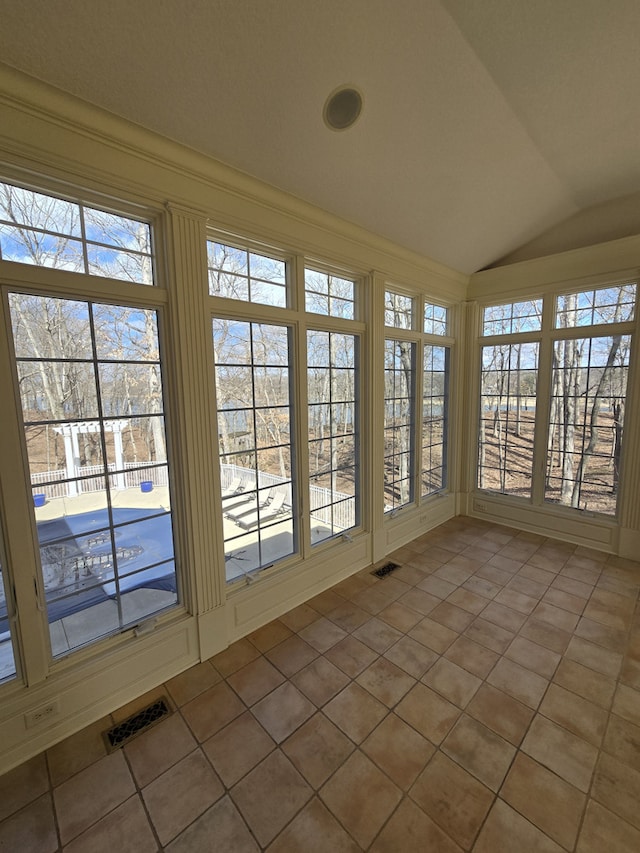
480	751
452	573
125	829
373	599
506	617
377	635
77	752
482	587
192	682
361	797
451	681
564	600
622	740
533	656
238	654
603	830
534	589
270	796
181	794
506	831
626	704
556	616
507	564
398	750
348	616
517	601
501	713
270	635
546	635
585	682
617	786
400	616
574	587
159	748
317	749
351	656
534	573
569	756
300	617
411	656
471	656
575	714
322	634
291	655
22	785
355	711
496	576
212	710
453	798
32	828
467	600
428	713
320	681
410	829
433	635
386	681
419	600
282	711
326	601
595	657
490	635
602	635
314	830
552	804
255	680
220	828
89	795
238	748
521	683
436	586
452	616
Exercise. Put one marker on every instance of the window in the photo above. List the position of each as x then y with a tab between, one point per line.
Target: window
399	423
90	384
53	232
255	435
398	310
329	294
7	657
332	377
436	319
242	274
435	419
507	417
581	427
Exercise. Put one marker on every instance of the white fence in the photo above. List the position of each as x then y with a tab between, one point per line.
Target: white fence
56	484
335	509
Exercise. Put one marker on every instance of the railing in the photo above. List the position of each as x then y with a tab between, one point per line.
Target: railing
90	478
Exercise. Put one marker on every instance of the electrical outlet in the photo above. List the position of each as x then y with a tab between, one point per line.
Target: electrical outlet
481	506
38	716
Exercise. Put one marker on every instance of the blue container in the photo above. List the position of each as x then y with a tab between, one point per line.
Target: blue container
146	486
39	499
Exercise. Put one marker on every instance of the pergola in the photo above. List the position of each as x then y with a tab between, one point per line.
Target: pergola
70	433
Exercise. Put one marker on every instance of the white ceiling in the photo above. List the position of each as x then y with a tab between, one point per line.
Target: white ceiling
486	122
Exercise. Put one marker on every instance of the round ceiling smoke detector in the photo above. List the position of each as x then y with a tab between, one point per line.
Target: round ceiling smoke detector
342	108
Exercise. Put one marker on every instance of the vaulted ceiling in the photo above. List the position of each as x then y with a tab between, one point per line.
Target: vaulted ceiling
491	130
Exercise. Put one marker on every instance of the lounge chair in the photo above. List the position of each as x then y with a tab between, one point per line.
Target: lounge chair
247	506
232	488
265	513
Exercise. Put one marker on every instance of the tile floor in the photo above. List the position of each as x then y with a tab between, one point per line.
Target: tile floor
483	697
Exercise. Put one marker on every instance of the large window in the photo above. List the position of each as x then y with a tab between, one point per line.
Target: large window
255	435
399	422
7	654
435	419
92	404
249	276
332	379
575	412
49	231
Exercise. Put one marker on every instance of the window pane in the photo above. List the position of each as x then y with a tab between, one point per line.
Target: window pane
513	317
7	658
399	450
329	294
586	425
104	529
239	274
255	441
435	319
435	405
507	418
590	307
398	310
333	433
51	232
